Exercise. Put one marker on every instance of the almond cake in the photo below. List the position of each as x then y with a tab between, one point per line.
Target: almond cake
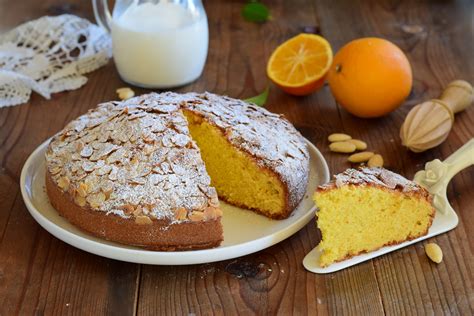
145	171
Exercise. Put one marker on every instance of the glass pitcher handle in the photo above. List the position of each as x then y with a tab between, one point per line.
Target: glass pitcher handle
102	13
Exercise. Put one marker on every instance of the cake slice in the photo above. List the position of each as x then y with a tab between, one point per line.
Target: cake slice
365	209
256	159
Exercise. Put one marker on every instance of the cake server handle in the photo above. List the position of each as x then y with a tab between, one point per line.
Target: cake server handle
437	174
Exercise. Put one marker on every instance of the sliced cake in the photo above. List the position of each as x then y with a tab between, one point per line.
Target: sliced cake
362	210
256	159
131	172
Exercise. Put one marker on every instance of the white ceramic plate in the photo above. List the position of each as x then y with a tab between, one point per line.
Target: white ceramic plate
244	232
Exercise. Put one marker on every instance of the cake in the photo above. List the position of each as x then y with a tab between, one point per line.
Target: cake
133	171
362	210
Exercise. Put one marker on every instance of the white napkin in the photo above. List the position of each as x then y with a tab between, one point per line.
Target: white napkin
49	55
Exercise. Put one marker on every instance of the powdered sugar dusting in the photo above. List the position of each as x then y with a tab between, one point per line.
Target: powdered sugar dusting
136	158
372	176
133	158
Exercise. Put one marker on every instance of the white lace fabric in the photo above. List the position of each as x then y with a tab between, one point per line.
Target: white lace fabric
49	55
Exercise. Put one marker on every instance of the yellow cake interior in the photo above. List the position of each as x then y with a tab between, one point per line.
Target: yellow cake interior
236	177
355	219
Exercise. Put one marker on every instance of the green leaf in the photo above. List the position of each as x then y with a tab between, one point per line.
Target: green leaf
260	99
256	12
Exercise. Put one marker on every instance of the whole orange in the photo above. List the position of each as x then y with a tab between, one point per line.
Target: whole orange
370	77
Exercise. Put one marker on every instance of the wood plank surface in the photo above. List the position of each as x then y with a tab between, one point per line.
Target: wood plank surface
40	274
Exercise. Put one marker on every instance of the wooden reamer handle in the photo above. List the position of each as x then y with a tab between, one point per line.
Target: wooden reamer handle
458	95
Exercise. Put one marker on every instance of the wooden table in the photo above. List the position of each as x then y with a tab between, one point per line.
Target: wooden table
41	274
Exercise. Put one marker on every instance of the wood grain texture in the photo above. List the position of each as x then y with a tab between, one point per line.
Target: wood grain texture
42	275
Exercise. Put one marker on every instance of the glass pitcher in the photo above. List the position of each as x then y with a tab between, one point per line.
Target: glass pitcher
156	44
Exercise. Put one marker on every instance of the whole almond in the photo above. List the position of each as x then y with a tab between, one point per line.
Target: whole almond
360	145
125	93
338	137
342	147
434	252
360	157
375	161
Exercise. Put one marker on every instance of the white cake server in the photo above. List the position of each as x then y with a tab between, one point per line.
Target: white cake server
435	178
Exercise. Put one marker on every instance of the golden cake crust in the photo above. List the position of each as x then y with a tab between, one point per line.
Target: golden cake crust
157	235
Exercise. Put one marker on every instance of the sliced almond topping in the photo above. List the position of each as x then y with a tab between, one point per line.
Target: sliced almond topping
180	214
143	220
55	170
214	201
87	152
79	146
196	216
211	213
128	209
96	200
81	201
64	183
82	190
138	211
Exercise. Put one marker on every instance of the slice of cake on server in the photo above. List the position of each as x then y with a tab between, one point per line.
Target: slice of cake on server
365	209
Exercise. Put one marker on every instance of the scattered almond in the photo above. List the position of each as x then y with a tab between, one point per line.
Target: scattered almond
338	137
360	157
125	93
375	161
342	147
360	145
434	252
143	220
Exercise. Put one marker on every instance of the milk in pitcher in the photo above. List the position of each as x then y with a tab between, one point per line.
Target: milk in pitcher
159	45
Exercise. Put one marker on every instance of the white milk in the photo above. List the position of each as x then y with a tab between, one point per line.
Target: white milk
159	45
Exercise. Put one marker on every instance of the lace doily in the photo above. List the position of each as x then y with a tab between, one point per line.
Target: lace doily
49	55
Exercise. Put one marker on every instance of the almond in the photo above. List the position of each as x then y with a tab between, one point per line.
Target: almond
82	190
63	183
360	145
342	147
81	201
211	213
375	161
180	214
143	220
338	137
360	157
434	252
125	93
196	216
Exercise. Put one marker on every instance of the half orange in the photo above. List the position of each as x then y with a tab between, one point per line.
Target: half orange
299	65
